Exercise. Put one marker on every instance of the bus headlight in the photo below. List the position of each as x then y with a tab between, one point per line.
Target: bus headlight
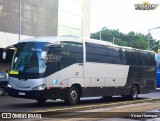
40	87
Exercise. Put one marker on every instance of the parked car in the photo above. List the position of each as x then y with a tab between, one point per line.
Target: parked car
3	83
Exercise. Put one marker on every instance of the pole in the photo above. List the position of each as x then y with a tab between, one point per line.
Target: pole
148	36
113	39
148	41
19	20
100	35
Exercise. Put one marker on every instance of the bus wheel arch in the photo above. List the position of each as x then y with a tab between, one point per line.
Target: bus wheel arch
78	86
74	94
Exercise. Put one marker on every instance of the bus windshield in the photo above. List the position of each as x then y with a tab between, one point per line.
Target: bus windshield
27	58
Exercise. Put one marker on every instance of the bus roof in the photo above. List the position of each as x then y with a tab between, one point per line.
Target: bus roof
55	39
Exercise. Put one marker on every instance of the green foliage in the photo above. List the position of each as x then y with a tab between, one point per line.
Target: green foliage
131	39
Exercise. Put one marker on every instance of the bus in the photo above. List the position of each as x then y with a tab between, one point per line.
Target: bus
70	68
158	70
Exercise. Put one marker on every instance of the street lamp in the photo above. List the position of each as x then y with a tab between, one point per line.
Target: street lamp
148	36
100	36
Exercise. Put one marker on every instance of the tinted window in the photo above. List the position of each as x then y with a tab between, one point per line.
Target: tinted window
113	55
64	56
72	52
103	54
131	57
140	58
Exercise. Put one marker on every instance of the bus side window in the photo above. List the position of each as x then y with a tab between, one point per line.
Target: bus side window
72	53
102	54
132	57
122	56
94	53
113	55
152	59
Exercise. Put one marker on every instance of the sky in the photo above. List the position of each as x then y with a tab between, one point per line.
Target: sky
121	14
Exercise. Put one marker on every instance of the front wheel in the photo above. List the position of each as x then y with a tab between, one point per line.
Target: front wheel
73	96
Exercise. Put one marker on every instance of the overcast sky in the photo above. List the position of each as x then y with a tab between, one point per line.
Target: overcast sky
121	14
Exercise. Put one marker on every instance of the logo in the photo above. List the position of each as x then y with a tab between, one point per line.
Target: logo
53	58
6	115
20	116
145	6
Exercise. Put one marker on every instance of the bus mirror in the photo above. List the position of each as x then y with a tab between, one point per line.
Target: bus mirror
5	51
4	55
43	55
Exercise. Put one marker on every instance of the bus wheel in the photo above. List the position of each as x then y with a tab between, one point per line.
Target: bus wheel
41	100
73	96
2	91
134	92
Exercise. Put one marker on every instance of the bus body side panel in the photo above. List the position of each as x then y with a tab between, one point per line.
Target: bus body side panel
104	79
143	77
61	78
108	74
59	82
106	85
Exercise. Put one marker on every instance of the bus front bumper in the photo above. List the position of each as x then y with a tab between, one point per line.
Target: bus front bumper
55	93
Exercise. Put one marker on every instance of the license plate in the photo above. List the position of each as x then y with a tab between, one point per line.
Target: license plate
21	93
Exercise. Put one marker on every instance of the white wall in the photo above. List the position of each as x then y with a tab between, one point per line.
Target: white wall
7	39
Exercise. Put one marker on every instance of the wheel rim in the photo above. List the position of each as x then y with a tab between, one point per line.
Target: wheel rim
134	93
74	95
1	91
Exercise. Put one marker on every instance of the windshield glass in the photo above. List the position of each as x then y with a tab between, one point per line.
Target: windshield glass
26	59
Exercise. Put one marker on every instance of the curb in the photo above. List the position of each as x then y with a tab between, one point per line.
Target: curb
103	105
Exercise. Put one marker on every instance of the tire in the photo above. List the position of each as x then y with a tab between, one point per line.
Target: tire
41	101
72	96
2	91
134	92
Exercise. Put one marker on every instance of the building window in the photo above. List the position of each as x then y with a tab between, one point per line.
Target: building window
62	30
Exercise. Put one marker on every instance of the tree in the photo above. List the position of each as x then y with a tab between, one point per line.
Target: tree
131	39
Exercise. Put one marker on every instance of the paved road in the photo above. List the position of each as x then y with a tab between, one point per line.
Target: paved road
126	112
10	104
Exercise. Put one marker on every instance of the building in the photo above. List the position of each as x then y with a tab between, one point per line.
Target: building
42	18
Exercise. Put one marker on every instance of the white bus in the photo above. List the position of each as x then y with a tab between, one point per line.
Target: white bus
70	68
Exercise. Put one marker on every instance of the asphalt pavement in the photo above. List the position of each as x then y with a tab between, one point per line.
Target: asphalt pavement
11	104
